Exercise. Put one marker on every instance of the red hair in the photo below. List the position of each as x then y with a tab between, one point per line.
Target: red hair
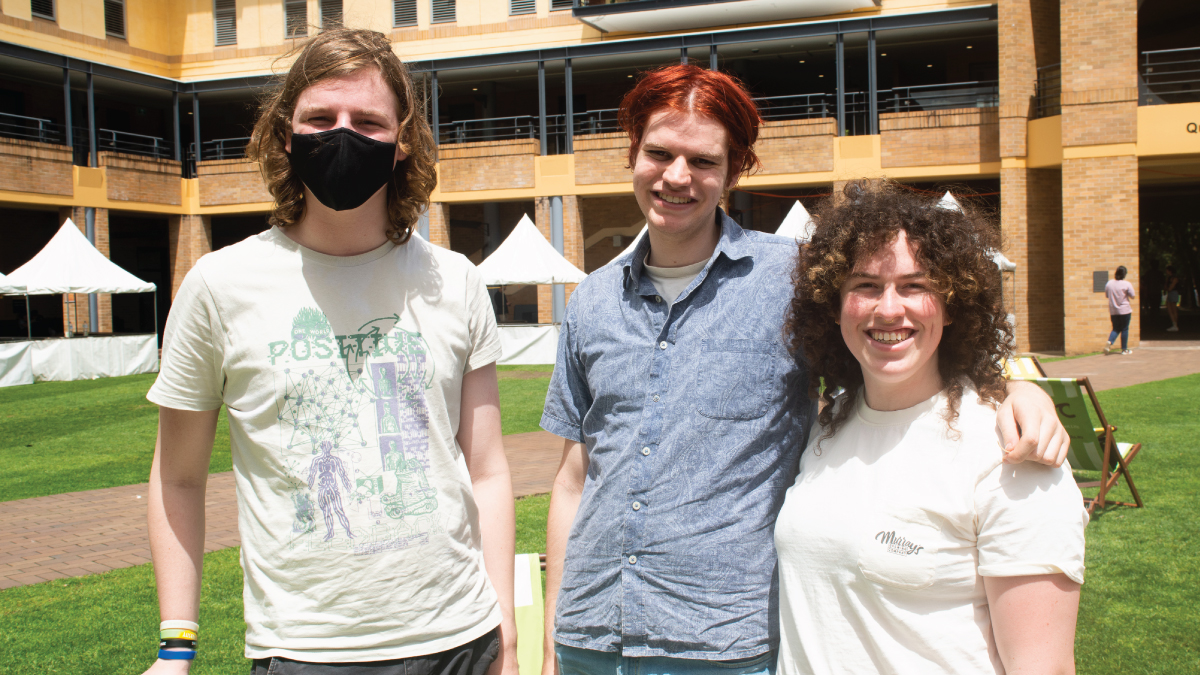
691	89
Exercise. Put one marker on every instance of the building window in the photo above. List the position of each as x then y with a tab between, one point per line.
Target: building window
516	7
43	9
331	13
295	18
225	21
561	4
404	13
443	11
114	18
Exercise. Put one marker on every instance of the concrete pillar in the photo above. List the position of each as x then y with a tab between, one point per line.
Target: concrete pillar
190	237
1030	199
545	294
75	306
439	224
1100	165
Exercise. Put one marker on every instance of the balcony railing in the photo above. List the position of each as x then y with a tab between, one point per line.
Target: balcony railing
30	129
796	107
224	148
1048	99
488	129
1169	76
941	97
134	144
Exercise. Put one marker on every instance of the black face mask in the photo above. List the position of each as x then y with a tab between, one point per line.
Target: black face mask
343	168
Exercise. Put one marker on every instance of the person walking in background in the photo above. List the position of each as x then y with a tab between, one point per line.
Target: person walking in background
1119	292
1172	289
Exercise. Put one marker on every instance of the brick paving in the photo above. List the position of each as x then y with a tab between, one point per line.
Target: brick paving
78	533
82	533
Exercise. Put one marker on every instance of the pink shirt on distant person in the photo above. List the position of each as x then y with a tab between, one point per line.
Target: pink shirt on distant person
1119	293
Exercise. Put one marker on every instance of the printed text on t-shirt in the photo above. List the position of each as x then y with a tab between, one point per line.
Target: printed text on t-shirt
897	544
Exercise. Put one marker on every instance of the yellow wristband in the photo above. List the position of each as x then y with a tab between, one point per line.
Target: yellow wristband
177	634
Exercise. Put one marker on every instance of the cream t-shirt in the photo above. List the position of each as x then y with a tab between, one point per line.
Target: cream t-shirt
891	526
343	380
671	281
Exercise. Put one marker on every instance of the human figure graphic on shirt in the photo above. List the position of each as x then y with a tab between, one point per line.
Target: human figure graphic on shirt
673	391
326	470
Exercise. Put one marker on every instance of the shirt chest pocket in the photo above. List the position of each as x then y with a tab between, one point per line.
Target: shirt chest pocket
734	378
900	549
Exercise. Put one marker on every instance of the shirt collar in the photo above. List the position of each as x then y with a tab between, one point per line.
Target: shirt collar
733	244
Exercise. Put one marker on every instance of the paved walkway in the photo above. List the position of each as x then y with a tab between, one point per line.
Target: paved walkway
95	531
80	533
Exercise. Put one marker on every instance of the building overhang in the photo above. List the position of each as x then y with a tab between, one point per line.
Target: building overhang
654	16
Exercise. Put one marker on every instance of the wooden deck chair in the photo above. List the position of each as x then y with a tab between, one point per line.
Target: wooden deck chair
528	612
1093	448
1023	368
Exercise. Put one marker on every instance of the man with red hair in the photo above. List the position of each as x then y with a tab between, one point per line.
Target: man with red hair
683	411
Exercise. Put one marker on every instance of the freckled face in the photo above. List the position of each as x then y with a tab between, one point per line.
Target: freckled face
892	322
360	101
680	172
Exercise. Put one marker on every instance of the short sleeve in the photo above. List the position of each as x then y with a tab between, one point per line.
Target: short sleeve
569	397
1031	521
190	375
481	324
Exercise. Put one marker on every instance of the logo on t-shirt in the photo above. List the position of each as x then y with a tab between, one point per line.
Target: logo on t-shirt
355	434
897	544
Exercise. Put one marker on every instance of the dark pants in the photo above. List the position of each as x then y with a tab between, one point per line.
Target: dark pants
473	658
1120	326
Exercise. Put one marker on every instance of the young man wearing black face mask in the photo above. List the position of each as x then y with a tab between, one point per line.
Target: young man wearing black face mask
357	364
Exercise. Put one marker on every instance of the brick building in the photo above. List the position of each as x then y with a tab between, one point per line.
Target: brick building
1075	119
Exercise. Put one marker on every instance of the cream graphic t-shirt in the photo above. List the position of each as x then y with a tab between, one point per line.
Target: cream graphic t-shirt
342	377
891	527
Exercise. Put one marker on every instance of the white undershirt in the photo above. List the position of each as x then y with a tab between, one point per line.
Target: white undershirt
671	281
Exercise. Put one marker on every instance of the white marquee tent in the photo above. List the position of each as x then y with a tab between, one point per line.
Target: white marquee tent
69	263
797	224
525	257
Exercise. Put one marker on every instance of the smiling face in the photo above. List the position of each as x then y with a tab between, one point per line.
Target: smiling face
681	170
360	101
892	321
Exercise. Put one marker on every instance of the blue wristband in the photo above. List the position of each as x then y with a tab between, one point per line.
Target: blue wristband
176	656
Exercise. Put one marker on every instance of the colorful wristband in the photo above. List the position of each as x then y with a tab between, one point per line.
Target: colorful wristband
179	623
176	656
177	644
177	634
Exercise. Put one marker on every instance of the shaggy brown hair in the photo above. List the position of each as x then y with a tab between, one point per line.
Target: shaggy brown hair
954	247
338	52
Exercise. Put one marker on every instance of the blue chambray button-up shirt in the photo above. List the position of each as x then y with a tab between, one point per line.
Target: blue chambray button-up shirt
694	418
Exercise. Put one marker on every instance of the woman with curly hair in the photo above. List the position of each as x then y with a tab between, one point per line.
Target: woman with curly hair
930	553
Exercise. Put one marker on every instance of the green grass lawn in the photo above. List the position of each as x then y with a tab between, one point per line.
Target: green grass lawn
1140	609
60	437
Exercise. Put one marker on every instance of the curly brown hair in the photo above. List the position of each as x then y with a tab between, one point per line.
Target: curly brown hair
954	247
332	53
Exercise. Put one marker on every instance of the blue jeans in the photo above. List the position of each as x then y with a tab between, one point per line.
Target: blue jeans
1120	326
576	661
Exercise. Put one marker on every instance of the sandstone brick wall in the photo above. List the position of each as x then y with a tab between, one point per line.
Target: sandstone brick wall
602	158
573	236
133	178
1031	223
75	305
439	224
545	294
1029	39
487	165
28	166
926	138
793	146
189	238
1099	232
231	181
599	213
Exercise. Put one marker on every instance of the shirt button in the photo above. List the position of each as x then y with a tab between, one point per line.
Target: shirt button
662	345
646	451
633	560
637	506
656	398
658	298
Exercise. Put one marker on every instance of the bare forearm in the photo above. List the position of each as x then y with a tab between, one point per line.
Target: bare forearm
497	522
564	504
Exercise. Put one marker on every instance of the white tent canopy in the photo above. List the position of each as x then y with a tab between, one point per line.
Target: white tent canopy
525	257
69	263
948	202
797	224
